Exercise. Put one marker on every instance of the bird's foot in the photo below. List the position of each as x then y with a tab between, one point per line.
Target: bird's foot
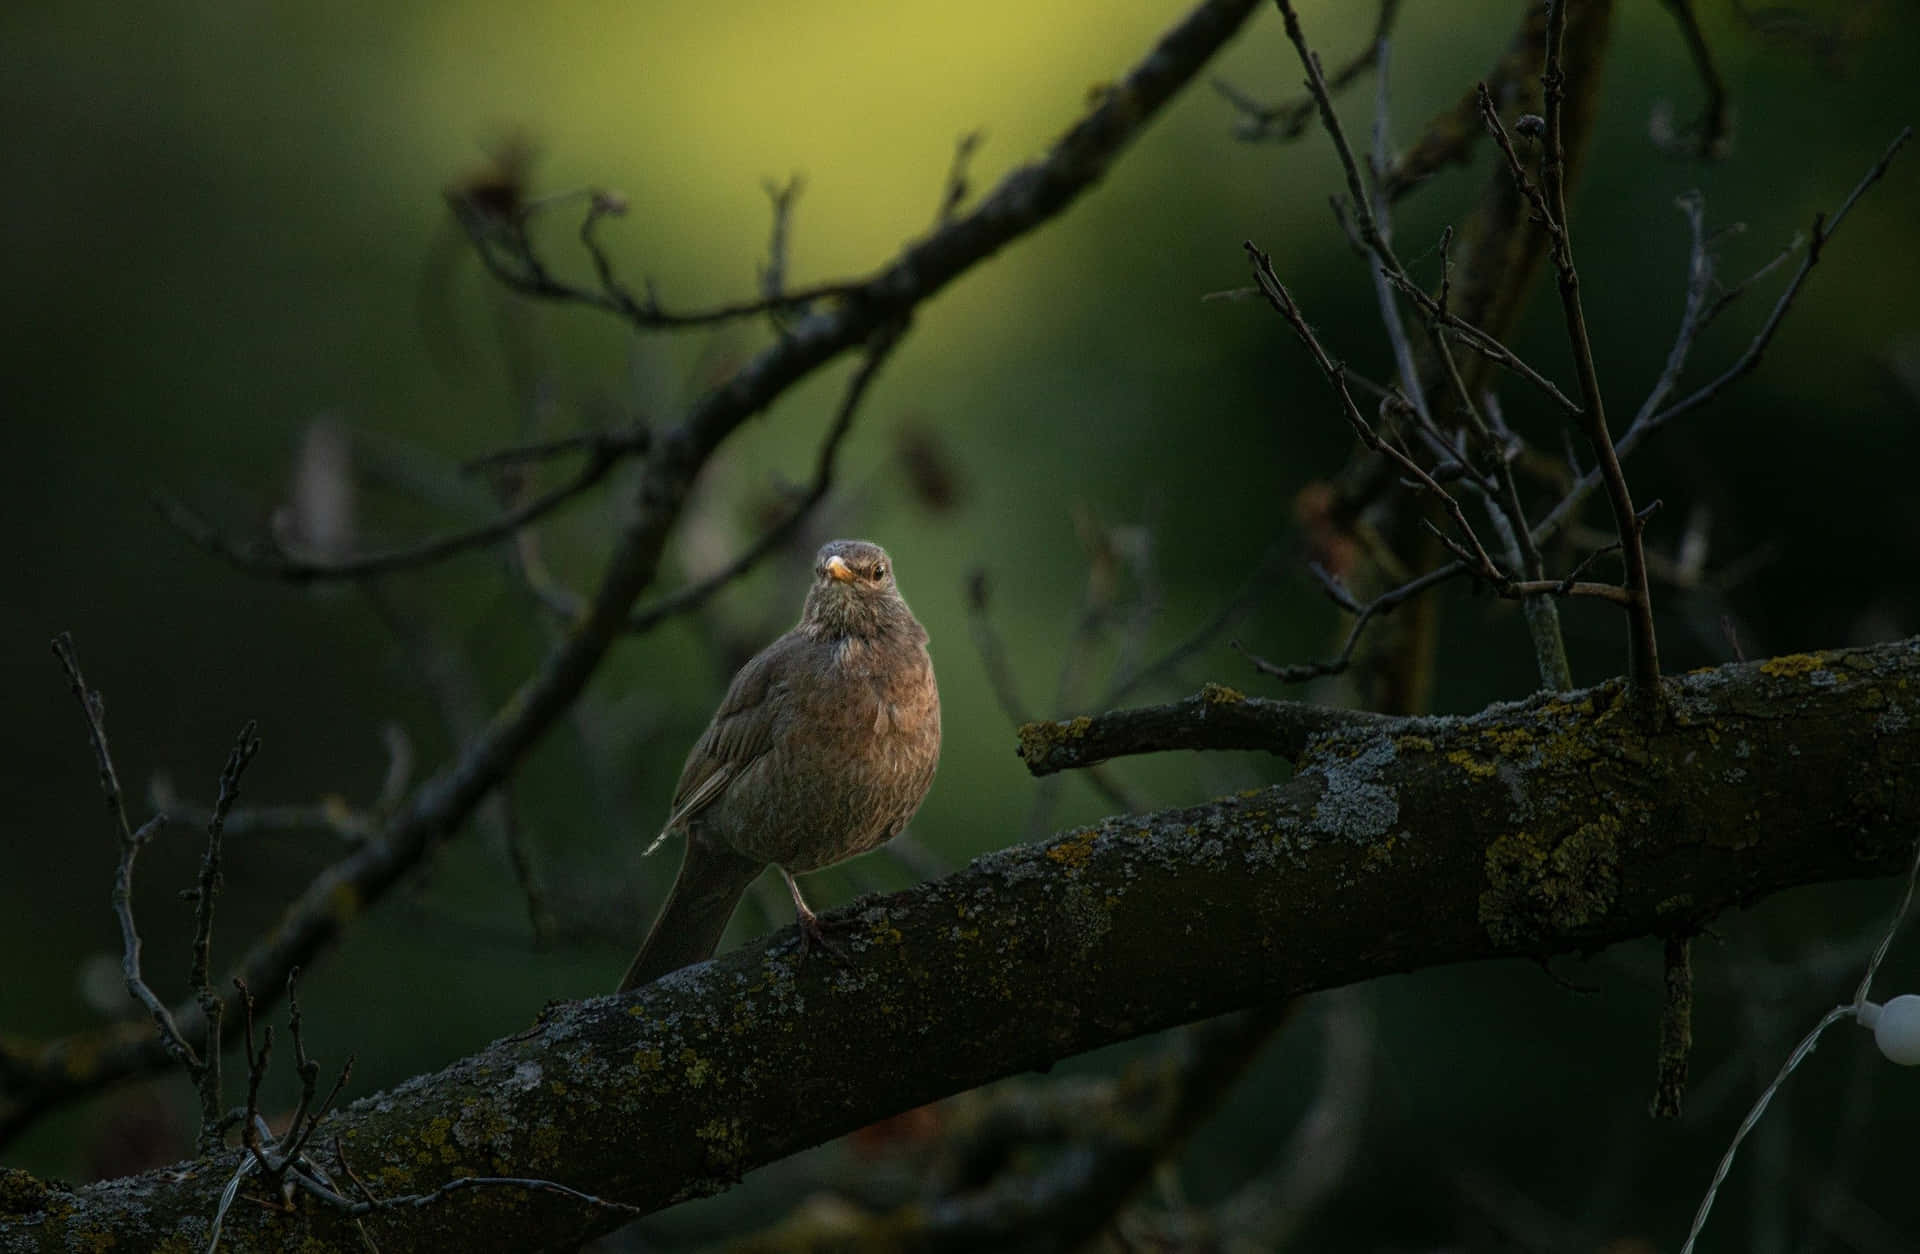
814	938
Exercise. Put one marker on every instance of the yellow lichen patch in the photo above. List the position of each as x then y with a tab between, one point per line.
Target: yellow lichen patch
546	1145
1073	852
436	1131
1789	665
1510	742
1537	887
1415	744
1037	740
1220	694
1472	765
646	1059
1378	853
21	1193
723	1138
698	1068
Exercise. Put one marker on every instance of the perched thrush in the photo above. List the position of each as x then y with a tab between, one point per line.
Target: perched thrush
823	748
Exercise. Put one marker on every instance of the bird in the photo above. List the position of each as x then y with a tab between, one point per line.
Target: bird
823	748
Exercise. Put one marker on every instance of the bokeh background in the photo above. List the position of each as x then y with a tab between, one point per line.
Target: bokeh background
228	258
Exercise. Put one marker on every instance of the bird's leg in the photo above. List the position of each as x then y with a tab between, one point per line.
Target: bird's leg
813	933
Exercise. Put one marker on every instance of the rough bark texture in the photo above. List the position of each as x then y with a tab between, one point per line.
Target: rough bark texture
1553	825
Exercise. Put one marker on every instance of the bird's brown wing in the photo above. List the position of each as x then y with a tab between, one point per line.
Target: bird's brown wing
742	729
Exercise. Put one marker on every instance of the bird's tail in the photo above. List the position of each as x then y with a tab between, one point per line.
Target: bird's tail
688	930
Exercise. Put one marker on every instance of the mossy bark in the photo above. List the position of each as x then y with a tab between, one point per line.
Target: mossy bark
1558	824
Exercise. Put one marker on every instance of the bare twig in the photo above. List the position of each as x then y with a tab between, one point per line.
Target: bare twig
1550	204
331	814
93	709
507	251
1825	226
1289	121
1367	226
1283	303
993	652
1450	135
1006	692
879	349
955	192
1676	1029
206	891
1385	603
1693	311
268	559
635	439
1712	134
773	275
1168	664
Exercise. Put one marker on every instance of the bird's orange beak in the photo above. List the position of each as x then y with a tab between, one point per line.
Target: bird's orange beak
838	569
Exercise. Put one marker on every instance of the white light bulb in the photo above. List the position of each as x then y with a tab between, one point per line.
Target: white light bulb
1896	1028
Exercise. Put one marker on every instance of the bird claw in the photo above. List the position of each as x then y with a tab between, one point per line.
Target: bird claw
814	938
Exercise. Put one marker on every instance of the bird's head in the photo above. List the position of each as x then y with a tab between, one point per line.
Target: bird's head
853	592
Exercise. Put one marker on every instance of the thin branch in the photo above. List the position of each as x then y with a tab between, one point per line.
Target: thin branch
773	275
1283	303
1006	692
1450	135
1213	718
633	440
879	349
1825	226
1693	310
1169	663
332	814
1385	603
205	892
1549	200
1481	342
1368	227
955	193
993	652
507	251
93	709
269	559
1676	1029
1289	120
1713	133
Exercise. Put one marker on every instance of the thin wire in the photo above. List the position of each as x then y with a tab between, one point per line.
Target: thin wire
1801	1051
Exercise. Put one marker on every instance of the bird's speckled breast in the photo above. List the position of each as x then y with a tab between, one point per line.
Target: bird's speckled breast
851	760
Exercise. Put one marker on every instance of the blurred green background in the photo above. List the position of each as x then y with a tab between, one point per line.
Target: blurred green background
226	233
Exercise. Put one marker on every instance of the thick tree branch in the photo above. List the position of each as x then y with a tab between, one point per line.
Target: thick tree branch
1552	826
34	1079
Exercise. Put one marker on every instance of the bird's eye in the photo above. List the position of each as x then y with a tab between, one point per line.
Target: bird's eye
879	571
